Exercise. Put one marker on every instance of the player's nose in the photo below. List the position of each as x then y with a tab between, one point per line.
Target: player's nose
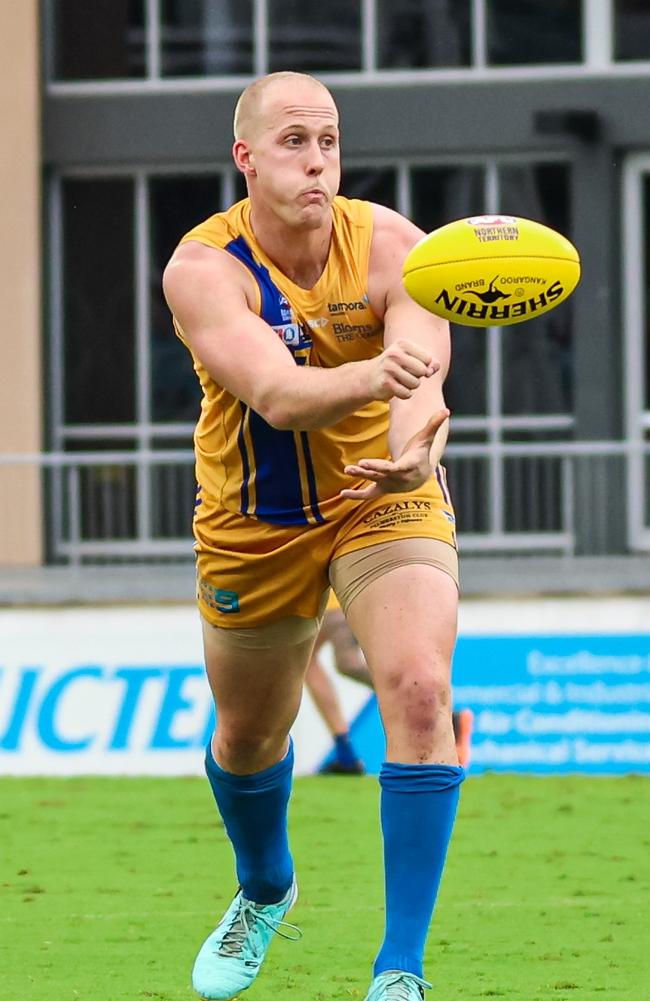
315	159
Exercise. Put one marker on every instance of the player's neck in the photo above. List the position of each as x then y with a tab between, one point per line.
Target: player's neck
301	255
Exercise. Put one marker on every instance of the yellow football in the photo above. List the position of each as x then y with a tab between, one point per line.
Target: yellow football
491	270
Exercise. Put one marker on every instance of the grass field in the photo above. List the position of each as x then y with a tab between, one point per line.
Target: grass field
108	886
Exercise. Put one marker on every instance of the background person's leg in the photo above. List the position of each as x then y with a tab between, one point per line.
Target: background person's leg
323	691
348	655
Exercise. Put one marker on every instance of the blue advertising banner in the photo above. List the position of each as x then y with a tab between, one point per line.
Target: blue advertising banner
546	704
123	691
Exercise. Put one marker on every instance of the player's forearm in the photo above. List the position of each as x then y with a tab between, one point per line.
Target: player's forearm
310	398
407	417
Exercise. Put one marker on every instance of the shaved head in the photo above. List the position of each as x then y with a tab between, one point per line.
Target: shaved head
249	110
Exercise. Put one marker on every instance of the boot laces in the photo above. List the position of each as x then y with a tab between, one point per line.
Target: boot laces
246	922
399	987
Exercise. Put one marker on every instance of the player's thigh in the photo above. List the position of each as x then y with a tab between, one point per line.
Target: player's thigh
256	675
406	622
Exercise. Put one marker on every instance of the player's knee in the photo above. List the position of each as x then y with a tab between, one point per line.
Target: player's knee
247	750
421	697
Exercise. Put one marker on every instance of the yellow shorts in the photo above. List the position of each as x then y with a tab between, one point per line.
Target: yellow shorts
252	573
332	603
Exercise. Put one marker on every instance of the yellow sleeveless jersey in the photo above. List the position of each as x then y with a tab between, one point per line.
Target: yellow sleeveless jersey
288	477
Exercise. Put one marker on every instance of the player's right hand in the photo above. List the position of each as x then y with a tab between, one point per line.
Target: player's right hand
398	370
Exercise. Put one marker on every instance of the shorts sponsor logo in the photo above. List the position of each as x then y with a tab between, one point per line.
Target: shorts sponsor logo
222	600
399	513
487	310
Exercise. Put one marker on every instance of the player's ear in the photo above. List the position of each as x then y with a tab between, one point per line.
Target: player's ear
243	157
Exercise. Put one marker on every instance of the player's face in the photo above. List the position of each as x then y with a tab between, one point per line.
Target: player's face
295	155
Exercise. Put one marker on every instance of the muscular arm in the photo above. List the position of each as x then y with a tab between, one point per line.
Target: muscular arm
418	424
394	237
212	298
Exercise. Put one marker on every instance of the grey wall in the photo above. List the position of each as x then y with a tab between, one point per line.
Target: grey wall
414	119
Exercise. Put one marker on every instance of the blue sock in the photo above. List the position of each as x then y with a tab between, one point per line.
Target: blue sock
254	811
344	750
418	807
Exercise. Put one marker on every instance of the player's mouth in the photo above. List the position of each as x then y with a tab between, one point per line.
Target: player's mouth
314	195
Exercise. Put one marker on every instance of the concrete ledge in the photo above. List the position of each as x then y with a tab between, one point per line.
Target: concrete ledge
165	583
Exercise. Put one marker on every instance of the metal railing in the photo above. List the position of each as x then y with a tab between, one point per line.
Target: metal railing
559	497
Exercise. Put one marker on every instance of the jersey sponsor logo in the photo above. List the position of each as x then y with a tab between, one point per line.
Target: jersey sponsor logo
358	329
294	335
488	311
347	307
316	322
285	308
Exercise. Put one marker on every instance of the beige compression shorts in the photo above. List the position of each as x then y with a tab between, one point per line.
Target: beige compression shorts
349	575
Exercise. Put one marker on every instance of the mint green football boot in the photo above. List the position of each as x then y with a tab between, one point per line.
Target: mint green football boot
231	956
394	985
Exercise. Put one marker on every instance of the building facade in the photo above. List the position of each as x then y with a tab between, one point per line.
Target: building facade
449	108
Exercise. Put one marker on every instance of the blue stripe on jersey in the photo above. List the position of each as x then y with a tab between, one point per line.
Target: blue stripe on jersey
311	477
277	474
278	489
441	483
272	298
245	464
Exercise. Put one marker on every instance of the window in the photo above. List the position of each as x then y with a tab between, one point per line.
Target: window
102	40
98	301
175	205
121	358
439	195
206	37
415	34
114	40
537	367
631	29
525	32
312	36
645	306
378	185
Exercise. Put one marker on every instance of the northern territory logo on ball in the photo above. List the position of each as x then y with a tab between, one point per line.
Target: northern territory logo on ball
491	228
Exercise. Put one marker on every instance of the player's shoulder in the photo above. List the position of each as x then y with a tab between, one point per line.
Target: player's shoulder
390	224
198	271
212	234
392	237
195	264
390	233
